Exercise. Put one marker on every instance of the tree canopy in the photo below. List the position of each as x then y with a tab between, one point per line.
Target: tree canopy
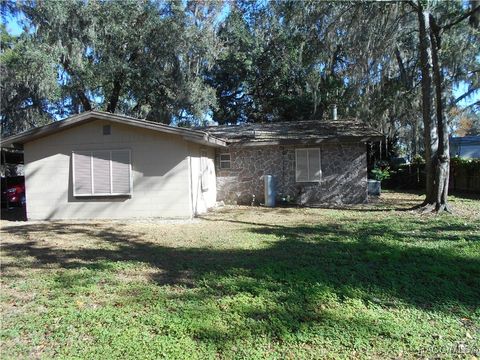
188	62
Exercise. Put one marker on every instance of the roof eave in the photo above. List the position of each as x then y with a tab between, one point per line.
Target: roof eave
188	134
206	140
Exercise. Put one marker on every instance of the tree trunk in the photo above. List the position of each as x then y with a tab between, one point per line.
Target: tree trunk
84	100
415	136
114	96
430	127
407	82
87	106
475	17
443	155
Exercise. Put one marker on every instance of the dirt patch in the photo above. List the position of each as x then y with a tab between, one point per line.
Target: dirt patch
141	275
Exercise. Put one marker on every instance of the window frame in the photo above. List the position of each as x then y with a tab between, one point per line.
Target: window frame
229	161
111	193
309	180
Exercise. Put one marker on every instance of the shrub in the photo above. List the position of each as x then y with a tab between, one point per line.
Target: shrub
418	160
381	174
471	165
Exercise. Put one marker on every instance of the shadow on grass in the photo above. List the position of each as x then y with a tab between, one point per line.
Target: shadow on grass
299	260
301	269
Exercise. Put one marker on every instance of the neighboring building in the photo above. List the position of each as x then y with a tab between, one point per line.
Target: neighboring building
465	147
101	165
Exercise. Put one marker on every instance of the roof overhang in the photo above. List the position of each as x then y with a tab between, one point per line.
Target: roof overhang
196	136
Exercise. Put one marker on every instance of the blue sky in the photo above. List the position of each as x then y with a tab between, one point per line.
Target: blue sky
462	88
14	27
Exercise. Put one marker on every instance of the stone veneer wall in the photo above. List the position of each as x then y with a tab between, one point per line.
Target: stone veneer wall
344	174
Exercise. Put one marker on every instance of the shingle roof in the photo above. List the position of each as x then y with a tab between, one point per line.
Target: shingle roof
309	131
295	131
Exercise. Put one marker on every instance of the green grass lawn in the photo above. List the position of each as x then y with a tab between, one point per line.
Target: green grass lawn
247	283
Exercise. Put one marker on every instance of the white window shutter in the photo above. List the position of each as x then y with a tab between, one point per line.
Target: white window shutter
308	165
301	163
121	172
314	169
101	172
82	173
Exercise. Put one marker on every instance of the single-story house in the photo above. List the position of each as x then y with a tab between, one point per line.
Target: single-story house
465	147
108	166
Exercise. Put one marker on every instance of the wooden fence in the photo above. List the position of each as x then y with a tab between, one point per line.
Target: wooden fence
412	176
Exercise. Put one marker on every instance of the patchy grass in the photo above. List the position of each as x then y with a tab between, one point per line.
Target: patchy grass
365	282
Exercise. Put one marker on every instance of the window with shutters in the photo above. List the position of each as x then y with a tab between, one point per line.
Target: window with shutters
307	165
102	173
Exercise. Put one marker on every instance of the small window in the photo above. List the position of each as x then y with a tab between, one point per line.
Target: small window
225	161
307	165
107	129
102	173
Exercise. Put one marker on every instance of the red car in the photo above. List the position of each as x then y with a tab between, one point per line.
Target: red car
14	193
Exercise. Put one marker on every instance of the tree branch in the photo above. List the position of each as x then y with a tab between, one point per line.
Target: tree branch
476	103
401	66
413	5
468	93
87	106
460	19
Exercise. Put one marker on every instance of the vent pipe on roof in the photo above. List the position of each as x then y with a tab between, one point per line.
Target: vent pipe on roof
334	112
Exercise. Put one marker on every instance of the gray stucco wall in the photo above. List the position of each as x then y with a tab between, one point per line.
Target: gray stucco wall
160	169
344	174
